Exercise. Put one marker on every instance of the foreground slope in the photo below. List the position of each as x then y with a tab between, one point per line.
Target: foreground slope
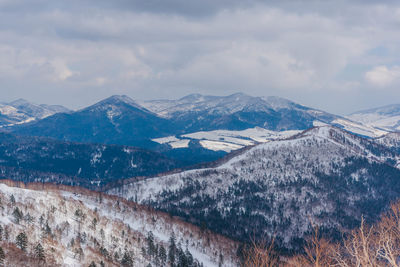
75	227
324	174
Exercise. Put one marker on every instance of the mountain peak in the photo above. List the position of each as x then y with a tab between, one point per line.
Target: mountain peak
19	102
117	100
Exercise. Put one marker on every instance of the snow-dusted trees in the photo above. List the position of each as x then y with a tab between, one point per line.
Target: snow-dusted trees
21	241
127	260
39	252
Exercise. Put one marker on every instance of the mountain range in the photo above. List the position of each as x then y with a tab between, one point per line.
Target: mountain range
181	128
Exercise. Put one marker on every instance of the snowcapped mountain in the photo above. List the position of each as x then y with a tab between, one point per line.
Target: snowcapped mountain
324	174
386	118
193	129
21	111
46	225
239	111
41	159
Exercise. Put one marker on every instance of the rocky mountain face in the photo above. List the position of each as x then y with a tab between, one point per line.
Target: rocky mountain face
324	175
46	225
90	165
21	111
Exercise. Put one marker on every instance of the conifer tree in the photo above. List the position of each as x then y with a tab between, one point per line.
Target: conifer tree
162	254
17	213
150	244
12	199
92	264
127	260
2	256
39	252
1	232
172	249
22	241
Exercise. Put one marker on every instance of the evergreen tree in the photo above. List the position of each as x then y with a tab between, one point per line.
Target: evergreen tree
94	223
22	241
46	230
17	213
162	254
12	199
172	249
127	260
2	256
150	244
1	232
182	261
92	264
189	257
39	252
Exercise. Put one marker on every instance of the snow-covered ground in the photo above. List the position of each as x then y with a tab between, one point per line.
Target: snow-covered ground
226	140
120	227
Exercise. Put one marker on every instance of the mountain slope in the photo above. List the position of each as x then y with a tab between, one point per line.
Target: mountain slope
41	159
75	227
115	120
239	111
324	174
387	117
21	111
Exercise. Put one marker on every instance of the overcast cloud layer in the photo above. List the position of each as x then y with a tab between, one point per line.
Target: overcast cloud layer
339	56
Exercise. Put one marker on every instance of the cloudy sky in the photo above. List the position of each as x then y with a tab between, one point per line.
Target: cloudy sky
340	56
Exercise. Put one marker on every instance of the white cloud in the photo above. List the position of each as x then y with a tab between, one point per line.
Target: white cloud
296	50
383	76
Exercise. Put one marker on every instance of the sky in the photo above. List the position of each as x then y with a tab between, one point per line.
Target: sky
338	56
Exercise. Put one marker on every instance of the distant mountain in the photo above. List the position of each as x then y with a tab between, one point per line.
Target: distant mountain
65	226
193	129
115	120
239	111
21	111
324	175
387	117
36	159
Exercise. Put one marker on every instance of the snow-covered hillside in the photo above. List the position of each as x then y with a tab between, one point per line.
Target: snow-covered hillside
387	117
324	174
76	227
